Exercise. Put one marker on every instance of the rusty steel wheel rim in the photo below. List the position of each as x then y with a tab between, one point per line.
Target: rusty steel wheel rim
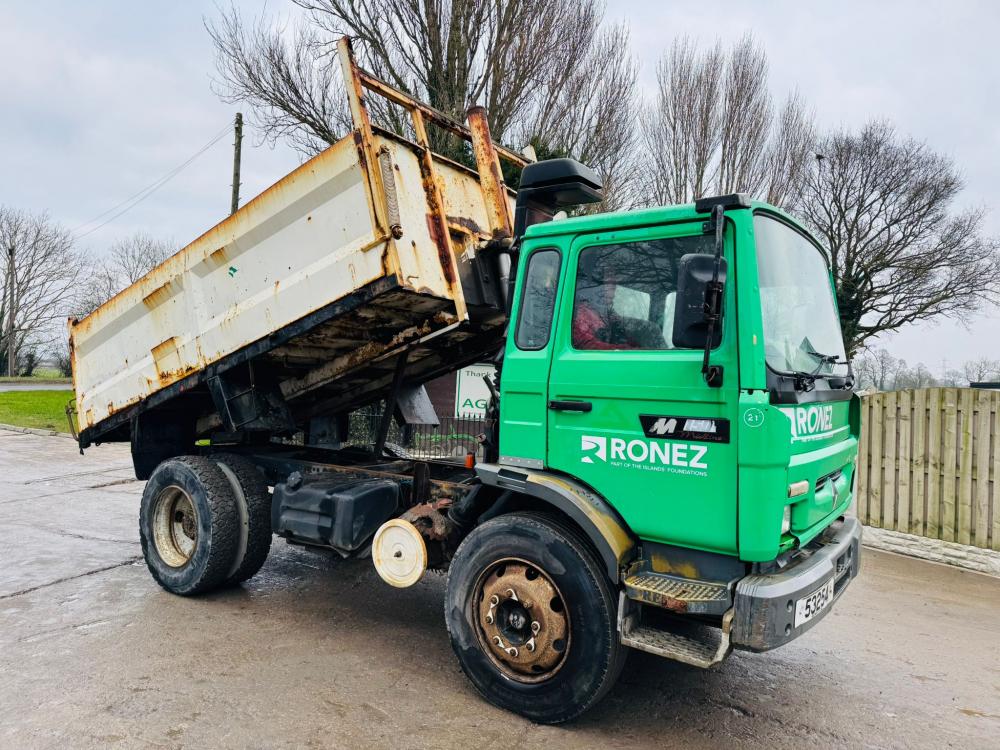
522	622
175	526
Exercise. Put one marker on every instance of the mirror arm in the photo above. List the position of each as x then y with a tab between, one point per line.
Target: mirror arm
713	301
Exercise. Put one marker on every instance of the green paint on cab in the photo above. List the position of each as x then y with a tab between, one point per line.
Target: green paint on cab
593	386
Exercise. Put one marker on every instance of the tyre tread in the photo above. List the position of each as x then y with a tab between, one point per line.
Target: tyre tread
575	540
258	502
224	524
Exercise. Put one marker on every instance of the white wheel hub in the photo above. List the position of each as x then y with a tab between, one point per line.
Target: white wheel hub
399	553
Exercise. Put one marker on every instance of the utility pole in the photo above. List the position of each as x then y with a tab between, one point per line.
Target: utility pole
237	148
11	366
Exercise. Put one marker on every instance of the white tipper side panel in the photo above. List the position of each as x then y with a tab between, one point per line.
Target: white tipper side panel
464	208
416	251
302	244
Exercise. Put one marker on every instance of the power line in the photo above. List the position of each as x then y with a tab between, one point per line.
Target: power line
134	200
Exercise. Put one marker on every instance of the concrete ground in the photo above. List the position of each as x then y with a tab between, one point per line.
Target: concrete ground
318	653
35	386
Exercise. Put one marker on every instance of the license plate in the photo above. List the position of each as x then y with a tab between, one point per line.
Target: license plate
809	606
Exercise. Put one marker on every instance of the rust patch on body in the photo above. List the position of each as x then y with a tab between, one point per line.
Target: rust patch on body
431	519
662	564
437	232
468	224
664	602
164	349
359	144
167	359
158	296
490	174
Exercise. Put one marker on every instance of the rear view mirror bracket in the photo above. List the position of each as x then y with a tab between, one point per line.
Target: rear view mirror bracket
701	282
713	301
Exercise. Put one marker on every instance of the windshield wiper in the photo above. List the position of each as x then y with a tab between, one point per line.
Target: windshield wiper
806	381
825	359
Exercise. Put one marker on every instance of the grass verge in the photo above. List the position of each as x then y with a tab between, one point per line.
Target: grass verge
42	410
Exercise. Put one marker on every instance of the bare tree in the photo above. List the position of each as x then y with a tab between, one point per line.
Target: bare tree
712	127
126	262
914	377
293	87
953	378
47	271
587	110
981	370
864	371
877	368
899	252
544	71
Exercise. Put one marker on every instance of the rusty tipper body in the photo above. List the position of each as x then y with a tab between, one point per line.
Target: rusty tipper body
670	439
361	252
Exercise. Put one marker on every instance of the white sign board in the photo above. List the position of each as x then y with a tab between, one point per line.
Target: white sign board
471	394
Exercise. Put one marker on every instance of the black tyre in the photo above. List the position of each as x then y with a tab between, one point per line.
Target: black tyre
189	525
532	617
254	507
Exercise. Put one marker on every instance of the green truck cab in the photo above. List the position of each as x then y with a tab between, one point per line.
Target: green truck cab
714	479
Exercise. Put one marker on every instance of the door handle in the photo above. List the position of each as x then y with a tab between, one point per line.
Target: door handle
570	405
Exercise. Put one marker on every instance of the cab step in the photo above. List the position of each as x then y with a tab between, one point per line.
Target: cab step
679	594
704	652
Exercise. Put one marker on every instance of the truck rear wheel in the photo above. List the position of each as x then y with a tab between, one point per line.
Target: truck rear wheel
532	619
254	507
189	525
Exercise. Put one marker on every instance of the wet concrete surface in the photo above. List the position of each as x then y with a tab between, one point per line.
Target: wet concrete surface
319	653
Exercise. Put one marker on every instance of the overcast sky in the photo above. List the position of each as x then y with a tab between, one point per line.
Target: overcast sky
100	99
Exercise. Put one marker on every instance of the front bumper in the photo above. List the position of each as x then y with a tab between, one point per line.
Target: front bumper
764	604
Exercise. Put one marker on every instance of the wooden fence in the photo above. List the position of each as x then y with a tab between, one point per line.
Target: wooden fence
929	464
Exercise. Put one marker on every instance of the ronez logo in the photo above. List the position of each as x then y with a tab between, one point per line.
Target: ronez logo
593	446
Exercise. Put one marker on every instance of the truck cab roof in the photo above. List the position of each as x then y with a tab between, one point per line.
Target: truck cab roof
634	218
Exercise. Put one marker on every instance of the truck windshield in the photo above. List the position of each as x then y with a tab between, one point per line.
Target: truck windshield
801	327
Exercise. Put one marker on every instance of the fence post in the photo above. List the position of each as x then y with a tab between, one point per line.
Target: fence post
949	461
875	483
903	454
890	458
995	483
934	464
918	462
965	448
864	447
981	468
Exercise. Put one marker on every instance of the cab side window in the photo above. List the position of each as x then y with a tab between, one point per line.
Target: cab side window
625	293
538	300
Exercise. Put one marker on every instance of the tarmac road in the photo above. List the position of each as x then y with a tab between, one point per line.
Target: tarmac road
319	653
35	386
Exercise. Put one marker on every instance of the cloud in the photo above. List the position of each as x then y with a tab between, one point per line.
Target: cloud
100	99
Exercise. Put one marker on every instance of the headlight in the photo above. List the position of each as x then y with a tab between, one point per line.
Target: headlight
786	521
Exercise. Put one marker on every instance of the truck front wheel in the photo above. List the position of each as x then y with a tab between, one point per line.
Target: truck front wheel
532	618
189	525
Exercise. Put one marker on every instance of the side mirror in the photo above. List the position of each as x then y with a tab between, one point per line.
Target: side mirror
694	274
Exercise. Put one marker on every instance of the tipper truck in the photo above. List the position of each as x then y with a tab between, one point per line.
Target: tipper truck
669	449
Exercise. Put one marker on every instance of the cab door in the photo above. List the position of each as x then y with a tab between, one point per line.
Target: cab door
629	414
